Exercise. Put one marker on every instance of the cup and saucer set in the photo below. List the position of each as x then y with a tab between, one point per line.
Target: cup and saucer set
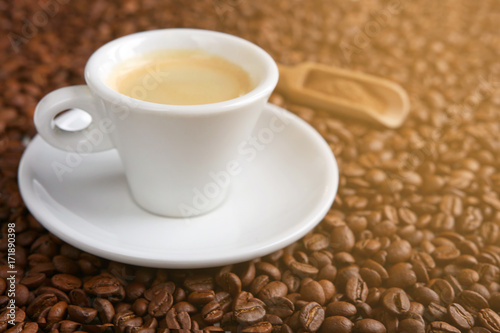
175	186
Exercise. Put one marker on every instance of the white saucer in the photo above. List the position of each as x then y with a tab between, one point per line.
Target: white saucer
280	195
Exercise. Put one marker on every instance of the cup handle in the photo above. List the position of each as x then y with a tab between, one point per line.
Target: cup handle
94	138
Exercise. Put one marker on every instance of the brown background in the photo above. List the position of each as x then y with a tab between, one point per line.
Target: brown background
442	164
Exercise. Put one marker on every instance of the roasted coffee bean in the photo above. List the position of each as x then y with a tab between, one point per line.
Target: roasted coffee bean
399	251
168	287
66	282
401	275
312	291
201	297
441	327
79	297
460	317
435	312
273	289
311	316
395	301
247	309
61	296
212	312
160	304
140	306
338	324
472	301
104	286
425	295
279	306
262	327
368	325
199	283
57	312
258	283
268	269
105	309
443	289
80	314
231	283
356	290
178	320
410	325
371	277
341	308
316	242
342	238
32	281
126	319
303	270
489	319
39	304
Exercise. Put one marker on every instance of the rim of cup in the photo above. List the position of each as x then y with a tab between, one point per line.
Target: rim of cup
105	58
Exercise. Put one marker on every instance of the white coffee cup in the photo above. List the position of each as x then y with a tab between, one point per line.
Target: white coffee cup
172	154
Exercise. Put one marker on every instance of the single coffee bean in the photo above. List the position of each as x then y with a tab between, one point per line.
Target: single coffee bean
273	289
489	319
311	316
303	270
337	324
268	269
364	310
199	283
410	325
247	309
61	295
22	295
472	301
399	251
134	291
443	289
396	301
258	283
434	311
316	242
401	275
279	306
230	282
140	306
460	317
341	308
150	293
371	277
313	292
57	312
356	290
328	289
105	309
342	238
368	325
425	295
104	286
66	282
212	312
328	272
31	281
80	314
441	327
160	304
262	327
201	297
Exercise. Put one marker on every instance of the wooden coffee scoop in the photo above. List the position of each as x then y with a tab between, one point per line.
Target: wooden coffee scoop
345	92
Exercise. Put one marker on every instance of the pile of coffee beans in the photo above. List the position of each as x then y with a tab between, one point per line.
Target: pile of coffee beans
412	242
